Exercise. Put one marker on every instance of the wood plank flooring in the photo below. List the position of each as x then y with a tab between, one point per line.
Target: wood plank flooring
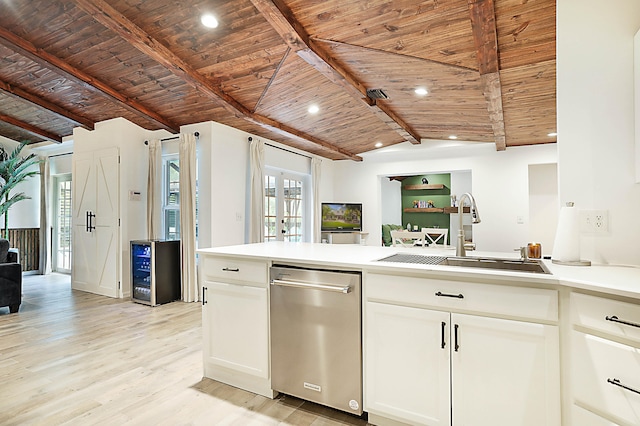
74	358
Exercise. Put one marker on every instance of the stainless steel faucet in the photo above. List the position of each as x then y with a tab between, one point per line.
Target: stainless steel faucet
475	218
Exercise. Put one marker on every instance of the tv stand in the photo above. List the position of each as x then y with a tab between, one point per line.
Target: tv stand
344	237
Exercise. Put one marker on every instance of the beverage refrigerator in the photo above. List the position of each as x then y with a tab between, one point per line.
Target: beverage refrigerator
155	271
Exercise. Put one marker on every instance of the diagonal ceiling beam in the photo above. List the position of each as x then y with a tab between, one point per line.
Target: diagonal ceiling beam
485	36
138	38
36	100
29	128
297	38
46	60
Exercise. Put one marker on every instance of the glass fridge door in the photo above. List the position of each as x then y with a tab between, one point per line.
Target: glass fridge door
141	271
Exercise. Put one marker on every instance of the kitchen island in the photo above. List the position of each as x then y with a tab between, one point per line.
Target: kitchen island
447	344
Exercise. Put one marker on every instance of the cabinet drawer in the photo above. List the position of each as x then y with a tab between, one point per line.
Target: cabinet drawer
230	269
592	311
597	362
584	417
520	302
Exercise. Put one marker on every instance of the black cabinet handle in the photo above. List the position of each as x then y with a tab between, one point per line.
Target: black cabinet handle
231	269
615	319
617	382
455	335
457	296
204	300
444	343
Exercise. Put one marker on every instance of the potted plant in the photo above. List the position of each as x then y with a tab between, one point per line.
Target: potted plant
14	169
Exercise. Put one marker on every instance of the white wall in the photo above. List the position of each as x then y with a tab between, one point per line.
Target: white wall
461	182
223	161
134	164
500	185
595	100
543	205
391	202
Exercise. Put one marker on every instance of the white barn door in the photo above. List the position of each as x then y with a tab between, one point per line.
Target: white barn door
95	264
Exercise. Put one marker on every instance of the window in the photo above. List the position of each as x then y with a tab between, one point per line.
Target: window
62	225
171	205
284	207
171	201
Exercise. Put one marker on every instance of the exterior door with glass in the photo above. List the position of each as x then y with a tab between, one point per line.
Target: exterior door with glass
284	205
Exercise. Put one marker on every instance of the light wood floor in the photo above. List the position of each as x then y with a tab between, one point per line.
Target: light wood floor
69	357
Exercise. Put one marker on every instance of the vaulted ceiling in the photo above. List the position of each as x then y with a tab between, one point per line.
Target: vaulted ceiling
488	67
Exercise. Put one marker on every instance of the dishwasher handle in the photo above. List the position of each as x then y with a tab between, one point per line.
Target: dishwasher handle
312	286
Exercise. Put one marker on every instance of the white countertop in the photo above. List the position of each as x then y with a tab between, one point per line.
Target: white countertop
615	280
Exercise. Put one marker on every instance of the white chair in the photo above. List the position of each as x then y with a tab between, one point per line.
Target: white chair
433	235
407	238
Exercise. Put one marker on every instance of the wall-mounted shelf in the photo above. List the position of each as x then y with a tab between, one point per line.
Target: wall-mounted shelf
424	186
445	210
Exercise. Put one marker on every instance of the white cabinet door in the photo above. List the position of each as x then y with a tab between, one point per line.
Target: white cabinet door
235	328
504	372
606	377
406	365
95	266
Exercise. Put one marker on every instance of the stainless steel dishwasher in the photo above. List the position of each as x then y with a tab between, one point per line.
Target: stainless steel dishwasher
316	336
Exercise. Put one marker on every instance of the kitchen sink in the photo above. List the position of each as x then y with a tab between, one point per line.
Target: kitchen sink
517	265
530	265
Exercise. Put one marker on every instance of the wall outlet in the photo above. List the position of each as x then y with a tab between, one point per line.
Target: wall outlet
594	221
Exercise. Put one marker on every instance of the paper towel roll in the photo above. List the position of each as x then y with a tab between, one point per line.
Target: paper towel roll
566	247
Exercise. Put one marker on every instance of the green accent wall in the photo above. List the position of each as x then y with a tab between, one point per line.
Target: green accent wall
440	197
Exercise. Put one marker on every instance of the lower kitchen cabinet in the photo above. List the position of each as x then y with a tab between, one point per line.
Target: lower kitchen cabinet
235	323
504	372
407	367
433	366
605	359
241	344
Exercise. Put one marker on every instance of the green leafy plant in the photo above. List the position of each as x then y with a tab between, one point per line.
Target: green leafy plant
14	170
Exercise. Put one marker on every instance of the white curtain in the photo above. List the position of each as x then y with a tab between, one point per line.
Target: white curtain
316	166
45	223
154	190
256	205
190	291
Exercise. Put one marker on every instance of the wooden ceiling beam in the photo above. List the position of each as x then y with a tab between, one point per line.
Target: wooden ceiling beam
38	101
46	60
138	38
29	128
293	33
485	36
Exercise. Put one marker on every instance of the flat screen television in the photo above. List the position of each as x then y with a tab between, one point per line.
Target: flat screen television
341	217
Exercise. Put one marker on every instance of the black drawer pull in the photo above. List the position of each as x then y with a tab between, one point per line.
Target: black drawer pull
455	333
204	296
615	319
444	343
457	296
616	382
231	269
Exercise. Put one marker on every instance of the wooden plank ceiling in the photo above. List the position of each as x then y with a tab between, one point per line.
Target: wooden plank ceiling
488	67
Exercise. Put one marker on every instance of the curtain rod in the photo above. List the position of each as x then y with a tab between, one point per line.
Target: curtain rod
196	134
285	149
60	155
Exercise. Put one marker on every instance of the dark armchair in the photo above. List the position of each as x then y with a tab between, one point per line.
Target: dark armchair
10	278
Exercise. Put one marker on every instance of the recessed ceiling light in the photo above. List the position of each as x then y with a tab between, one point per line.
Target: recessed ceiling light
552	134
209	21
378	144
421	91
453	137
313	109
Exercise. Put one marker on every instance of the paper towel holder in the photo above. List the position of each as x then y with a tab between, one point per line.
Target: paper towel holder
579	262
